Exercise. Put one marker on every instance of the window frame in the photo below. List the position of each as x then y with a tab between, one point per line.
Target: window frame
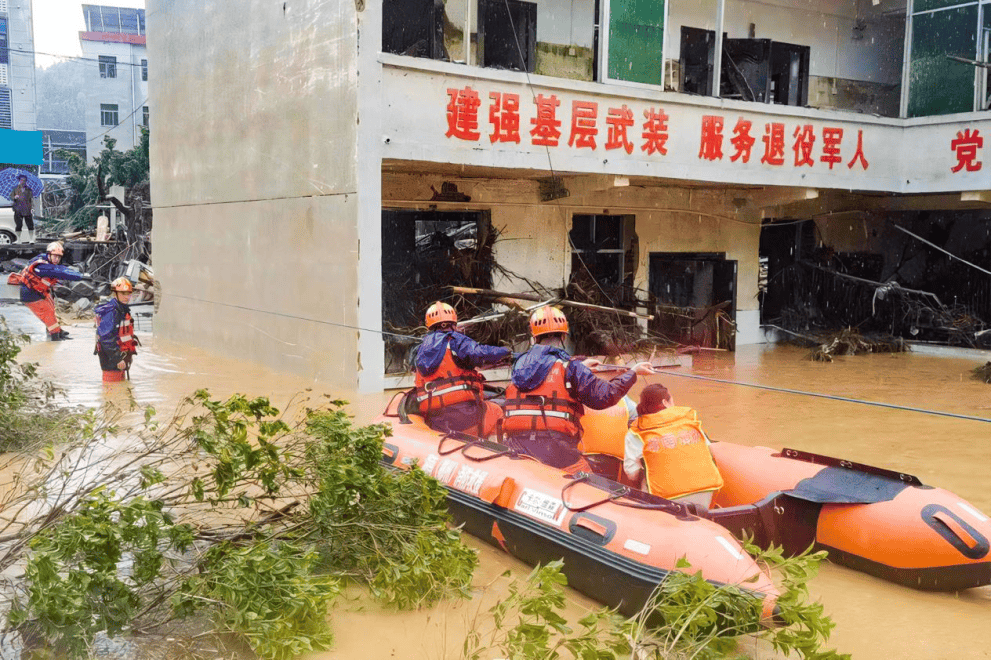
107	113
144	70
108	66
145	116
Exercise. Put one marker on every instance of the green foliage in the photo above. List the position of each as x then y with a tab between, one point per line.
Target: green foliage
27	415
78	584
390	528
127	169
686	618
527	624
268	592
239	436
204	522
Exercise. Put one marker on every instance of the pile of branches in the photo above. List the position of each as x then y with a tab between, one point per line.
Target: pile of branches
982	373
231	517
824	300
848	341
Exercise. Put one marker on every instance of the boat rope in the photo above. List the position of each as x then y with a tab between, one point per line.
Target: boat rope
834	397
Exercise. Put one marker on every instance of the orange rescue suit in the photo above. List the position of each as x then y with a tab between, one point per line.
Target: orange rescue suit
675	454
447	384
547	407
604	430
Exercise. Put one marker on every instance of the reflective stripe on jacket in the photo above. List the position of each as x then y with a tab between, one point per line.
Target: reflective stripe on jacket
549	406
675	454
447	384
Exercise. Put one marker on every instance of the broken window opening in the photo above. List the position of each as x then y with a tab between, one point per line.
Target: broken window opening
696	298
423	254
604	254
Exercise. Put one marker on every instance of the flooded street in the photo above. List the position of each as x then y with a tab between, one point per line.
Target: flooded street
874	619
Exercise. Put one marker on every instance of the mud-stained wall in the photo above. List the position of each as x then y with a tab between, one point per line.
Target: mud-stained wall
534	236
253	160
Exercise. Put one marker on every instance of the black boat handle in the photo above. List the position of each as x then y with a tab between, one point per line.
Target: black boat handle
581	477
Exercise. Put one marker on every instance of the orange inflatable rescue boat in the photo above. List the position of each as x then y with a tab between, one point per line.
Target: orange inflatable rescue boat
617	543
883	523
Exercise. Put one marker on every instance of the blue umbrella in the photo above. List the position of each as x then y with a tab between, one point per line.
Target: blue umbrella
8	181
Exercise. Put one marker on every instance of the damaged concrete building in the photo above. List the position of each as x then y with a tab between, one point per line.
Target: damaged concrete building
302	148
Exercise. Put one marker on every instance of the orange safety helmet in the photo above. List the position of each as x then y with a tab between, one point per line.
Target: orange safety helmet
122	284
547	320
440	312
55	248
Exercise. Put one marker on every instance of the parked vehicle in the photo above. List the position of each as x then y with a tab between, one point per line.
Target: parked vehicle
7	233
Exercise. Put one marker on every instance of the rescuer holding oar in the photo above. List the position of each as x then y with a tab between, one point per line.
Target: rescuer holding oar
549	389
448	387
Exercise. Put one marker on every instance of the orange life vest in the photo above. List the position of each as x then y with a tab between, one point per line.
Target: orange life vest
33	281
547	407
125	335
675	454
604	431
447	384
126	340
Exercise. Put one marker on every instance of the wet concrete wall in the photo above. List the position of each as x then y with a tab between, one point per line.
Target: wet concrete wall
253	160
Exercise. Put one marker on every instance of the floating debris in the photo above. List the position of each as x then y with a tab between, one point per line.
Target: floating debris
849	341
982	373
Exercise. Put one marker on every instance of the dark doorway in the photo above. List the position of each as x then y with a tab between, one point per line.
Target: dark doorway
507	30
698	50
414	27
696	297
423	253
604	254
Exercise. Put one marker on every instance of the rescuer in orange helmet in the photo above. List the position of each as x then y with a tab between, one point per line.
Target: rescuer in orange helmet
115	341
549	389
37	280
448	387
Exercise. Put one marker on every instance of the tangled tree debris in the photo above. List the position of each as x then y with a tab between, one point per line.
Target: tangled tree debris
825	346
983	373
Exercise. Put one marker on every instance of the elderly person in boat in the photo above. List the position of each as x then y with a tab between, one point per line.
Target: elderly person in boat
667	449
448	387
549	390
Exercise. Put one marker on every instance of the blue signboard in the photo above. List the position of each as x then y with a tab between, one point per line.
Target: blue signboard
20	147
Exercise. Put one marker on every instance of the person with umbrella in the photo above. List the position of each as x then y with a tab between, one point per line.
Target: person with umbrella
37	280
23	199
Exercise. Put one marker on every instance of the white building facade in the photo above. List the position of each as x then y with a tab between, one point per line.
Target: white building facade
316	144
114	43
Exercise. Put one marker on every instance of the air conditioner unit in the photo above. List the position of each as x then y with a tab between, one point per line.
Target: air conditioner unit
3	72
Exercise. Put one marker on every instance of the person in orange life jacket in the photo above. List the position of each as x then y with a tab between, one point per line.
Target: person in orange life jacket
115	343
668	443
36	282
544	401
448	387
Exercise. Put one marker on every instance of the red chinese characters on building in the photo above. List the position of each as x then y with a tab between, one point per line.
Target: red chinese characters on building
462	114
774	144
711	143
742	141
619	120
583	129
805	139
832	138
504	115
655	132
966	148
858	156
546	126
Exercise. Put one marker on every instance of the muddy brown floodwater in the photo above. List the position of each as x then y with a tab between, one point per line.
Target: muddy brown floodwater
874	619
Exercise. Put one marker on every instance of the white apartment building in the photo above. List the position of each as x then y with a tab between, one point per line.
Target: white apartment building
117	76
19	143
319	141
